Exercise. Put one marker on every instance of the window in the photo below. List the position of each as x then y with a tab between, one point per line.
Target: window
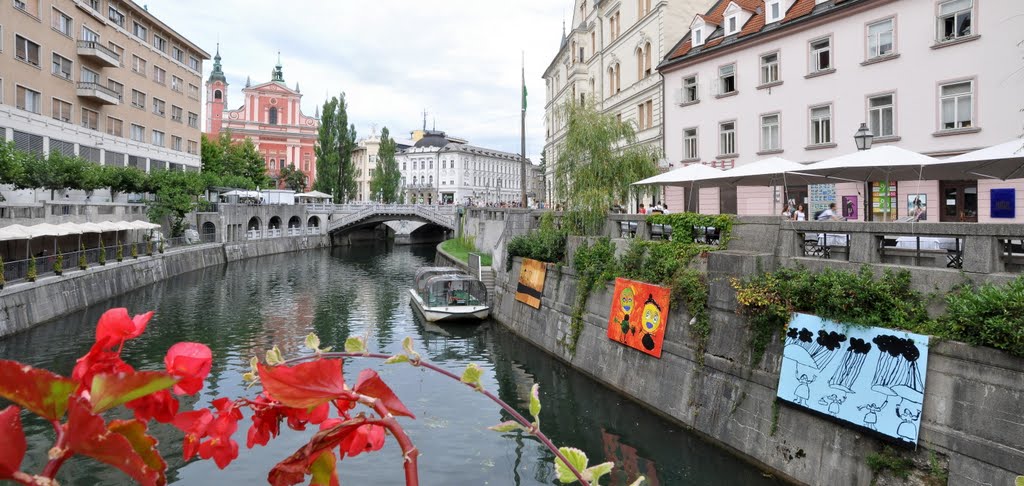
272	116
641	118
138	99
27	99
956	106
115	16
90	119
138	133
650	113
160	43
193	62
178	54
954	19
62	23
770	68
727	138
727	79
140	31
117	50
770	132
698	37
881	116
880	38
158	138
89	35
89	76
647	59
158	107
193	120
176	143
690	89
177	83
139	65
193	91
116	87
26	50
774	11
690	144
193	147
30	7
159	75
821	54
176	113
61	66
821	125
95	5
115	127
731	26
61	110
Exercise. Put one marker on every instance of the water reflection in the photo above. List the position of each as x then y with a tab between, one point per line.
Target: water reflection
247	307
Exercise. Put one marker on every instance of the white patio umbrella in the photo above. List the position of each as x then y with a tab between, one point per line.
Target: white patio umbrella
692	176
87	228
770	172
16	232
882	163
1003	161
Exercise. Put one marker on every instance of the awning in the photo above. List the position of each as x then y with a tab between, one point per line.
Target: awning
1003	161
314	195
143	225
772	171
90	228
14	232
682	177
884	163
249	194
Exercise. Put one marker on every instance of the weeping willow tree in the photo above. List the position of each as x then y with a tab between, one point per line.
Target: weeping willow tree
596	165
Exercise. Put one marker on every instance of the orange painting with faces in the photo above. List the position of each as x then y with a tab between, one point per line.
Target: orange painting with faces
639	315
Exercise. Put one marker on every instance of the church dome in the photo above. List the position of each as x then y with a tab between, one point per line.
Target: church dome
432	138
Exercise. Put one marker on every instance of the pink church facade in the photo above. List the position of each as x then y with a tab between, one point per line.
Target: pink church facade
271	116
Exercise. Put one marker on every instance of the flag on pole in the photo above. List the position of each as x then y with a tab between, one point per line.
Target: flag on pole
524	95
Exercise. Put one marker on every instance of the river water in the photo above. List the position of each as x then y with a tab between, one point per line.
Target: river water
242	309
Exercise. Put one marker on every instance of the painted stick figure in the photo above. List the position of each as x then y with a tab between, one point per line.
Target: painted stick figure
871	418
833	402
907	431
803	390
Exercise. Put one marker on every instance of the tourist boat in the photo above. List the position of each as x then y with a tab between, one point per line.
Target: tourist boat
445	294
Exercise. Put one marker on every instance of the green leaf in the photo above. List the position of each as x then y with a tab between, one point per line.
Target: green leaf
39	391
576	457
1019	481
472	375
398	358
143	444
639	481
355	344
111	390
407	346
593	474
313	342
535	402
274	357
508	426
324	470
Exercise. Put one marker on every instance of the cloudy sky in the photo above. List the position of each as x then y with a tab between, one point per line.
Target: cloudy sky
457	59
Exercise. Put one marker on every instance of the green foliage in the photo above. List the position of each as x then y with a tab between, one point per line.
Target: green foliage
31	274
232	163
936	472
385	185
890	460
135	251
58	264
683	223
82	263
546	244
3	279
177	195
149	247
596	166
103	255
120	252
293	178
160	247
770	299
775	418
987	316
595	266
335	143
460	248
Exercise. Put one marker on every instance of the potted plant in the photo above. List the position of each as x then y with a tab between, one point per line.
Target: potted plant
82	264
161	248
149	247
2	279
31	275
58	265
103	255
135	251
120	252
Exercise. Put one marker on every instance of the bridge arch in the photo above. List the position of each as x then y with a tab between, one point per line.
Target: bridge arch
275	223
294	222
209	228
254	224
314	222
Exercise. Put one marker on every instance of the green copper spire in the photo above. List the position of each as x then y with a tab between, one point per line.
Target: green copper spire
218	71
278	75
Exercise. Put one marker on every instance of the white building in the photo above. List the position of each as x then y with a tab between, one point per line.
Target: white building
436	169
796	78
609	57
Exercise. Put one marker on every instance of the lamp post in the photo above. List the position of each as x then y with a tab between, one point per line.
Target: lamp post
864	138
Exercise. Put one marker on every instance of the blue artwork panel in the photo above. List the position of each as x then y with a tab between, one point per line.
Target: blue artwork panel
868	376
1004	203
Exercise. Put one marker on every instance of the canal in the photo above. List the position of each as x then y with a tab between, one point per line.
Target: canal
242	309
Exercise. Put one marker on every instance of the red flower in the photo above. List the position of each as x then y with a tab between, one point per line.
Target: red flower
195	425
160	405
266	421
220	446
299	417
222	449
366	438
191	363
116	326
101	358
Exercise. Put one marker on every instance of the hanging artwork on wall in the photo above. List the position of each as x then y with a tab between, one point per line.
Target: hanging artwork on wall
870	377
531	282
917	207
639	315
1004	203
850	208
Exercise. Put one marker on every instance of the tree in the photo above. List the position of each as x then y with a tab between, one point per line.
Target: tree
232	161
326	150
386	181
123	180
293	179
176	195
596	166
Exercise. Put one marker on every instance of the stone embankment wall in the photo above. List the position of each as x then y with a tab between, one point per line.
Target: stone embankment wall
973	419
26	304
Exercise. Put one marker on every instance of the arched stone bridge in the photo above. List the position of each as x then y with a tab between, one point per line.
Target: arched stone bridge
350	217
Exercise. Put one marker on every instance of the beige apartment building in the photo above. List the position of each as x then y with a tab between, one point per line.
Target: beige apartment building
101	79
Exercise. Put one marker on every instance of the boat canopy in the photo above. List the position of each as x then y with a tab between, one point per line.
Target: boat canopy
454	290
425	273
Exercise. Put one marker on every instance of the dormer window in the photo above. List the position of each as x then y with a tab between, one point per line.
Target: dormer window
774	11
730	25
698	37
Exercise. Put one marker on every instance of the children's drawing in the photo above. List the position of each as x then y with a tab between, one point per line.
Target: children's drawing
849	368
639	327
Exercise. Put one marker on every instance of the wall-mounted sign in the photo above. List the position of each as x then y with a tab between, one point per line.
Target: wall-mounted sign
531	282
1004	203
850	209
870	377
883	201
639	315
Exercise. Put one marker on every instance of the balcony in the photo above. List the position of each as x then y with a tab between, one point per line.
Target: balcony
97	52
99	93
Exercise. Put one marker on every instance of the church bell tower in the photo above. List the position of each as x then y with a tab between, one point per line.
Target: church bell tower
216	97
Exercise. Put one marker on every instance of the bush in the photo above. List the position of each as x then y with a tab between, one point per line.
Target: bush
31	274
546	243
103	256
58	264
120	252
135	251
3	279
990	316
82	263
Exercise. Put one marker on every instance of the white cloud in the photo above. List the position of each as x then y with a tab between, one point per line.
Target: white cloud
458	59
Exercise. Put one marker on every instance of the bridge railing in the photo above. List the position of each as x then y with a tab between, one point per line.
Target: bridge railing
350	214
279	233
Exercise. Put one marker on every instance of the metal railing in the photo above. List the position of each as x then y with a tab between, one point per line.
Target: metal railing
99	87
82	44
255	234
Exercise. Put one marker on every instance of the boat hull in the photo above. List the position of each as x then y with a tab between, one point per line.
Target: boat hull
449	313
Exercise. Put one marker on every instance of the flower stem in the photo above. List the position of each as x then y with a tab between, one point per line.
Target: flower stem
61	450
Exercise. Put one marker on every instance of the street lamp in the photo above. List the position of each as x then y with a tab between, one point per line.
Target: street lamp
864	137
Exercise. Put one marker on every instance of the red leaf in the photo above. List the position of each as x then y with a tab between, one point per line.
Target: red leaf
12	442
370	384
293	469
145	445
111	390
324	470
115	326
306	385
41	392
191	362
87	434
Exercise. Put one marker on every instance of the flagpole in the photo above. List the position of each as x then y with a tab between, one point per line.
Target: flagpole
522	167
